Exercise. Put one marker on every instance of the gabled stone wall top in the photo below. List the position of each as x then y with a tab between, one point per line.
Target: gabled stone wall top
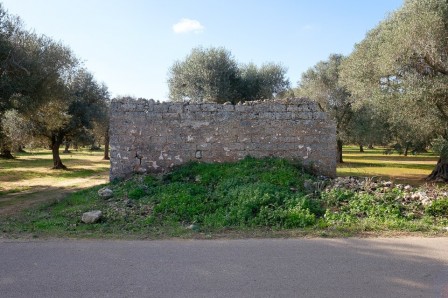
153	137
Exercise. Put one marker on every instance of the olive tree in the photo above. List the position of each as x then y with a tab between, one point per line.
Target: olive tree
34	72
403	64
214	75
204	75
14	71
321	83
74	113
367	126
265	82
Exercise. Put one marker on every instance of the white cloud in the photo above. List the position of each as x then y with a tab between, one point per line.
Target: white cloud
187	25
307	28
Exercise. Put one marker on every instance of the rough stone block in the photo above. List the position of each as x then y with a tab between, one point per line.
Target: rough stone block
175	108
161	108
105	193
209	107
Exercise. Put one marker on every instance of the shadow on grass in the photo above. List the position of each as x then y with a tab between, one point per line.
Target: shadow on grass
48	162
12	203
363	173
380	151
22	175
41	152
25	163
386	165
393	158
79	173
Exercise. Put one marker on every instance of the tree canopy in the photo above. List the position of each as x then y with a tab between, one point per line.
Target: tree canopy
44	86
214	75
321	83
402	64
205	75
263	82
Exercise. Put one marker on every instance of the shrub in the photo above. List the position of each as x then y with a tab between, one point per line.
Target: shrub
438	208
136	193
181	202
298	217
334	197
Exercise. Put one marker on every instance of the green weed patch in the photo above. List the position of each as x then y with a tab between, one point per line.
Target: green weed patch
251	195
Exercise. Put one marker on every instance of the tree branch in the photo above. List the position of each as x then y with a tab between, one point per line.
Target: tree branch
435	67
442	111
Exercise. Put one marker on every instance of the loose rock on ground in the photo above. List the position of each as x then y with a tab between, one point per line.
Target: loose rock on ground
91	217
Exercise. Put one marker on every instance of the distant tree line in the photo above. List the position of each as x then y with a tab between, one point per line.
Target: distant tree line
46	95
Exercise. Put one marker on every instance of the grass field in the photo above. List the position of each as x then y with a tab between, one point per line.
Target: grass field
410	169
29	179
267	197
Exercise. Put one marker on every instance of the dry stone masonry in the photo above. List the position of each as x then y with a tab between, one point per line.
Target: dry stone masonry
148	136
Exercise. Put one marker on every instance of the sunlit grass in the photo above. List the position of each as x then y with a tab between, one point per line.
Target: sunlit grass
27	167
29	178
373	162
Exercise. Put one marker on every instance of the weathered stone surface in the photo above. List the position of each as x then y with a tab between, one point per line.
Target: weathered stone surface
105	193
163	135
91	217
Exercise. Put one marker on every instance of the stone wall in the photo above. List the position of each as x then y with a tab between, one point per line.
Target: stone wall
153	137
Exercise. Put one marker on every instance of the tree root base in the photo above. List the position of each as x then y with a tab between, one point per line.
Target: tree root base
440	173
7	156
59	167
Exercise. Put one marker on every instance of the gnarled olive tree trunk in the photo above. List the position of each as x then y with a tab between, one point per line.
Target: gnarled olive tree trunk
361	148
440	172
56	141
339	157
67	147
6	153
106	145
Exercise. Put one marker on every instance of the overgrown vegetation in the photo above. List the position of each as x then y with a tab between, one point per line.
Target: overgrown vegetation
250	196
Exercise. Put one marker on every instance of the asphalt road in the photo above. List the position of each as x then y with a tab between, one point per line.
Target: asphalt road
385	267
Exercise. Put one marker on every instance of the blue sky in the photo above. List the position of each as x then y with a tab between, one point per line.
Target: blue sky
130	45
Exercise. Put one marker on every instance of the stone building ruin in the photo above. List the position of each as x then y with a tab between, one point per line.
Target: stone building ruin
148	136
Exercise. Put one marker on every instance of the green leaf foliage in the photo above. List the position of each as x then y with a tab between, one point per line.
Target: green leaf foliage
401	68
438	208
213	75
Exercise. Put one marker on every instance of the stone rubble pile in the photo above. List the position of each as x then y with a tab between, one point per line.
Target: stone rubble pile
425	194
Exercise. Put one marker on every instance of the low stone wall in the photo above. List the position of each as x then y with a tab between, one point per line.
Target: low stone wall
153	137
